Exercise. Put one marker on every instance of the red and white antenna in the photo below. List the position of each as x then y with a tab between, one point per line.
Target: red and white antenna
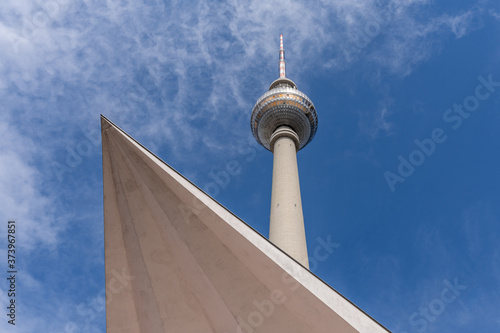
282	58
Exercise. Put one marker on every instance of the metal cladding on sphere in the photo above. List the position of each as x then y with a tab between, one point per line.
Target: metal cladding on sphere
283	105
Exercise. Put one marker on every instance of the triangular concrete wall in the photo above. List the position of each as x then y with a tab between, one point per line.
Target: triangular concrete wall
178	261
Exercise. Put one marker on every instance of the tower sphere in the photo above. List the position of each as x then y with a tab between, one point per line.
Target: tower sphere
283	105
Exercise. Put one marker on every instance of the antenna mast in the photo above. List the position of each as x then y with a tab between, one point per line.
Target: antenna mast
282	58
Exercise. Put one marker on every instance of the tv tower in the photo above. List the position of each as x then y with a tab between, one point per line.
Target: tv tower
284	121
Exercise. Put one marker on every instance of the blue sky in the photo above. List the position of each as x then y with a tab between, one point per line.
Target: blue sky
412	85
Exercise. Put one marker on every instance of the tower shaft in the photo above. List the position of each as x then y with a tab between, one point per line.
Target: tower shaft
287	220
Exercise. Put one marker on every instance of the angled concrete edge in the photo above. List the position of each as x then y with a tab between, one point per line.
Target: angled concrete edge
178	261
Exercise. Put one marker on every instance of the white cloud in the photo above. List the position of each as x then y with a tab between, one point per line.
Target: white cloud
21	198
373	123
494	13
161	59
171	74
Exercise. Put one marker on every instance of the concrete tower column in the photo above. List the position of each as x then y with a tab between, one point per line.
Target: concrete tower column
287	220
284	120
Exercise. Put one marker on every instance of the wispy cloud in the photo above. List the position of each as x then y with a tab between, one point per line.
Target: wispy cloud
181	69
373	123
21	196
494	13
178	77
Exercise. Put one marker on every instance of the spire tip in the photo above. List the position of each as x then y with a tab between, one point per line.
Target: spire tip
282	57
